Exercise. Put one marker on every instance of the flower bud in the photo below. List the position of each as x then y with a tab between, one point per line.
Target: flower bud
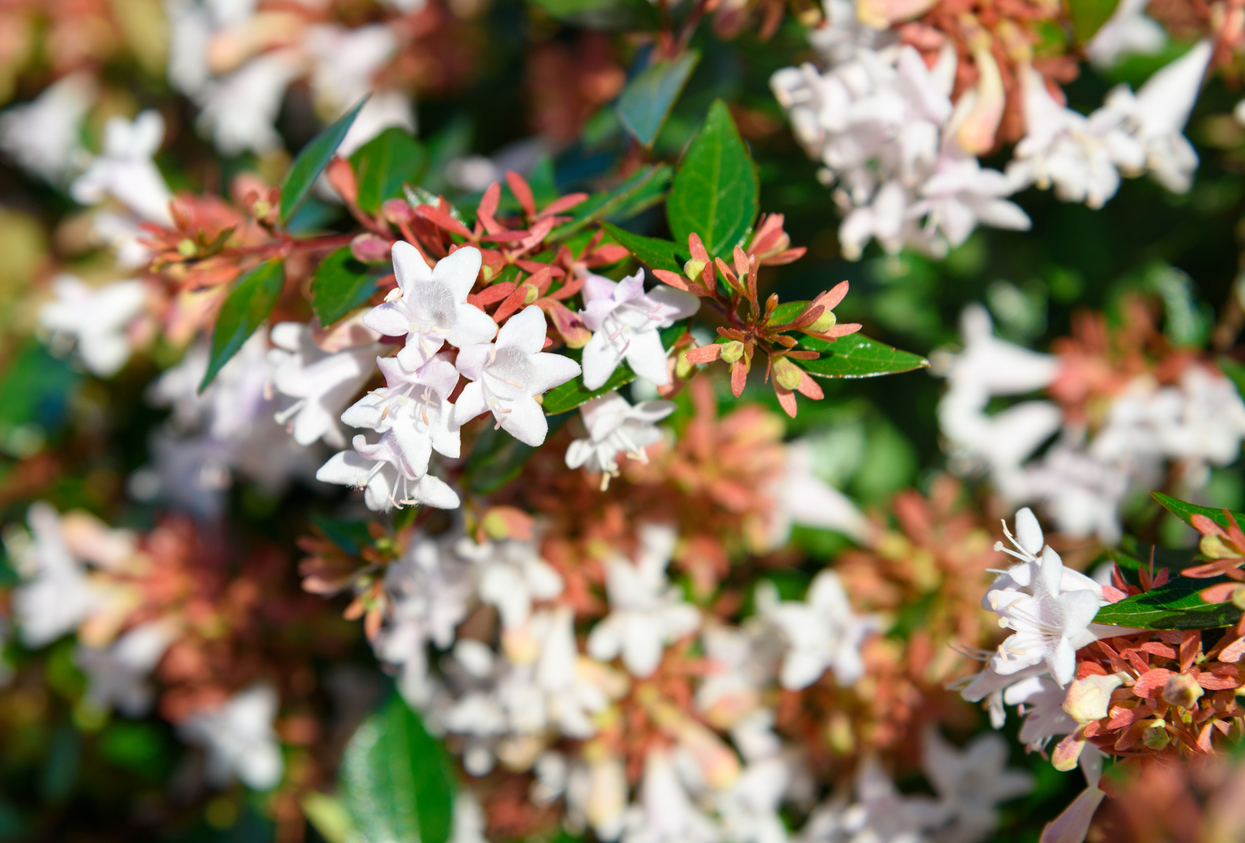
187	248
693	269
1214	547
732	351
530	293
396	211
1089	699
1182	691
825	322
787	374
1155	736
1068	752
368	248
1238	597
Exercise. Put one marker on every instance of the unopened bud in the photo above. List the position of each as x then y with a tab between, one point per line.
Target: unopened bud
187	248
825	322
1155	736
1182	691
530	293
1214	547
787	374
1089	699
396	211
1067	752
368	248
732	351
1238	597
693	269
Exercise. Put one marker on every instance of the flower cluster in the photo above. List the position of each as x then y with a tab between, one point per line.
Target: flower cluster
1125	409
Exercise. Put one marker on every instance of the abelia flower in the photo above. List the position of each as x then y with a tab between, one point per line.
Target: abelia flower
320	382
388	480
117	675
414	409
647	612
431	307
615	427
44	135
1127	32
239	739
125	171
626	323
509	374
95	319
970	783
56	595
822	632
512	577
1049	625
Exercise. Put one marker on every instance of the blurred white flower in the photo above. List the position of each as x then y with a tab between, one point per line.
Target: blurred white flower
322	383
56	594
647	612
239	110
239	739
94	319
118	674
125	171
822	632
1127	32
42	136
512	577
970	784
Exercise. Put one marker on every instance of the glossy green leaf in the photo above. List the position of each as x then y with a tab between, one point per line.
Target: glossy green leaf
715	190
339	285
570	395
1174	605
642	190
1088	16
244	309
350	535
658	254
1185	511
788	311
397	782
384	164
857	356
604	14
646	101
311	161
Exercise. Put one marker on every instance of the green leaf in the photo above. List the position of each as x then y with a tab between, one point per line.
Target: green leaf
646	101
604	14
244	309
497	458
857	356
351	536
1185	511
641	191
311	161
715	191
658	254
787	312
384	164
1174	605
339	285
570	395
1088	16
396	780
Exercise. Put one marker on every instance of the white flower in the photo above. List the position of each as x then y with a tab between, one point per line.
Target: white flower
239	110
626	322
431	306
414	409
1127	32
615	427
96	318
665	812
346	62
512	576
321	383
56	595
801	497
388	480
880	813
118	674
596	795
821	632
1049	625
647	612
992	687
960	195
1157	114
1080	156
1041	700
239	739
509	374
970	783
430	590
125	171
43	135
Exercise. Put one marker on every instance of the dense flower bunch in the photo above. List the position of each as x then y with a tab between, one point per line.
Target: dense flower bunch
1127	410
414	430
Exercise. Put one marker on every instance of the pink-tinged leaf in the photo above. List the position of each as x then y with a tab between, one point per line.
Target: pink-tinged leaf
522	192
672	278
705	353
443	220
565	203
488	208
